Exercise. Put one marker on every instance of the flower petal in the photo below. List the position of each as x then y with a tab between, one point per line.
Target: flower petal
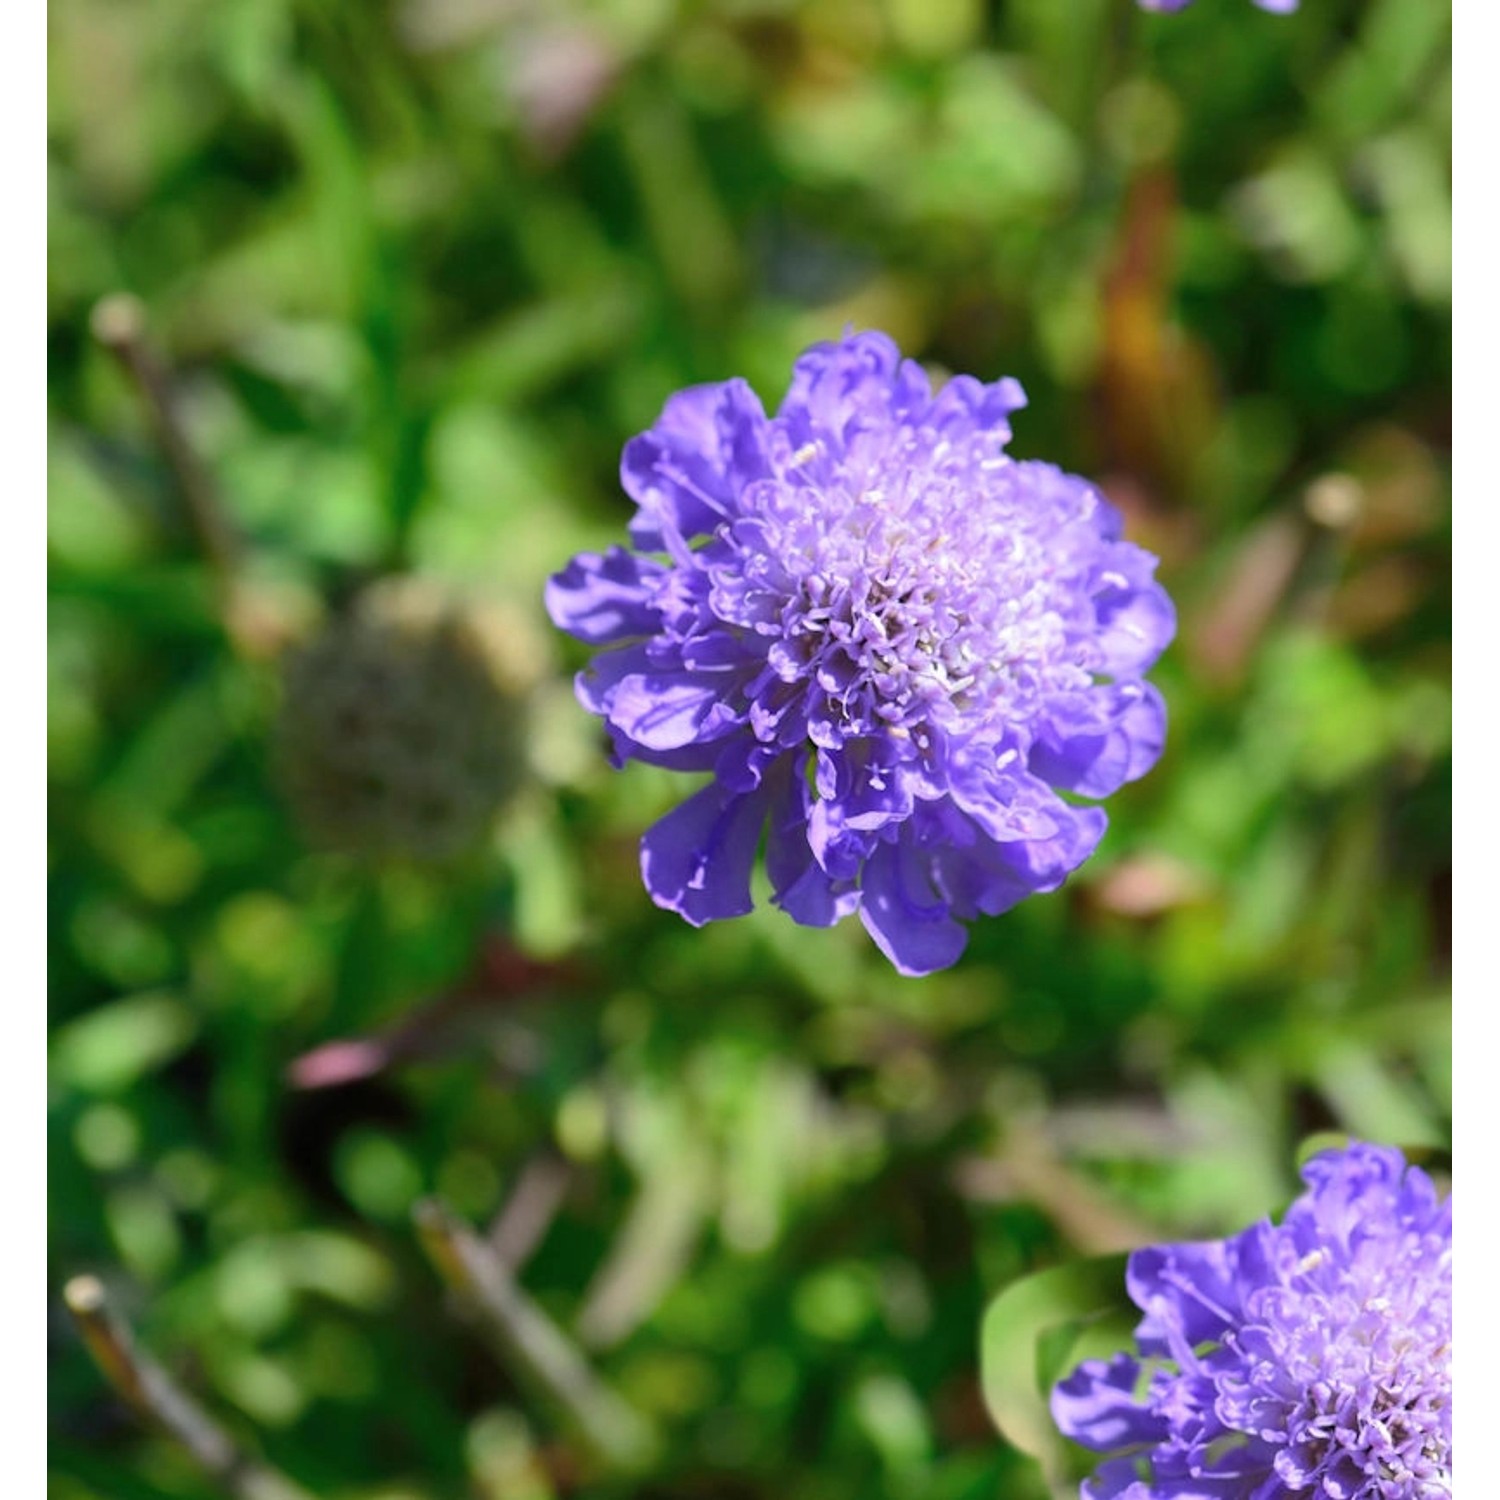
799	885
1187	1292
1136	618
696	861
903	911
686	472
965	404
980	876
1097	1406
1097	761
604	599
660	707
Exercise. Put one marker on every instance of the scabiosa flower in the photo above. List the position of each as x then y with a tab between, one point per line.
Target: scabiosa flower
1309	1358
891	644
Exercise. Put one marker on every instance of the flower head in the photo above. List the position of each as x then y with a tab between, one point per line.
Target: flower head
1310	1358
889	642
402	725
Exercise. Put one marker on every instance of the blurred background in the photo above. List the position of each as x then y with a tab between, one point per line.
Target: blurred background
352	307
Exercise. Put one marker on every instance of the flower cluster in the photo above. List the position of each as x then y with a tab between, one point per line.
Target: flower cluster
890	643
1306	1359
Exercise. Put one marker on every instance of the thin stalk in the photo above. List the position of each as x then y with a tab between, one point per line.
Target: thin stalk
119	323
157	1398
523	1222
531	1345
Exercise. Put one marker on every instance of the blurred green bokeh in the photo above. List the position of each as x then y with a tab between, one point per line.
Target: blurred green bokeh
413	272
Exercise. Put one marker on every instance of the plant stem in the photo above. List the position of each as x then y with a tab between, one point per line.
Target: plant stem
119	323
154	1395
537	1351
522	1223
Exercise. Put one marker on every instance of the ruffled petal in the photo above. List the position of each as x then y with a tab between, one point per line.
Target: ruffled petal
696	861
666	710
686	472
695	757
867	784
838	849
904	912
1136	618
799	884
842	390
605	599
967	405
1188	1293
659	707
980	876
992	787
1098	1407
1117	1480
1095	759
1351	1190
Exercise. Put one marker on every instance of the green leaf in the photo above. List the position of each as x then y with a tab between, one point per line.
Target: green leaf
113	1046
1029	1332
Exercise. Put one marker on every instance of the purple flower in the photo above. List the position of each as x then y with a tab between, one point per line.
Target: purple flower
1307	1359
890	643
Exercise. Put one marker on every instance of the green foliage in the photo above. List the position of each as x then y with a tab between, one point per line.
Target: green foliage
1031	1338
413	274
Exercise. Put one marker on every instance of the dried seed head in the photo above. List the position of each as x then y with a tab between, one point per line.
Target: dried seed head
403	723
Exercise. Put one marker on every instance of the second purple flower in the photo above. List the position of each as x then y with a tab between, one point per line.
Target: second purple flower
891	644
